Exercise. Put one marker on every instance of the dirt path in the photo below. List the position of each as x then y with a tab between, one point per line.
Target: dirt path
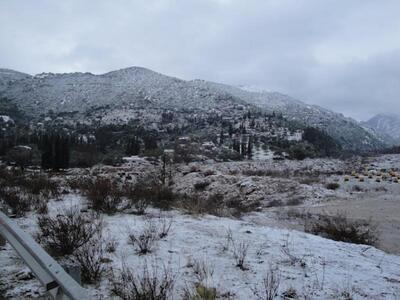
383	210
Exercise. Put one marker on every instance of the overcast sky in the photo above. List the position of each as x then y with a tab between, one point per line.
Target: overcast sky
340	54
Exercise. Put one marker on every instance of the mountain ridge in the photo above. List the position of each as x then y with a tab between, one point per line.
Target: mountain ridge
387	124
136	87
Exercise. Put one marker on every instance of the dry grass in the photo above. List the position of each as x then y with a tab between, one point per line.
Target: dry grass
341	228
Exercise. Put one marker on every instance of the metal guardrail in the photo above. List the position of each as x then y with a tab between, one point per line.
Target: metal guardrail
57	282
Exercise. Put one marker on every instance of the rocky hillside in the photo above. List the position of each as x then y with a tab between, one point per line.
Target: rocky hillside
7	77
142	88
388	125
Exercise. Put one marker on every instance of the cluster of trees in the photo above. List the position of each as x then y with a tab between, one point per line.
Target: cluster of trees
243	148
323	143
55	148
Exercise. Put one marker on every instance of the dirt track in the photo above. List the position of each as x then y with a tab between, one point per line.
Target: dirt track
381	209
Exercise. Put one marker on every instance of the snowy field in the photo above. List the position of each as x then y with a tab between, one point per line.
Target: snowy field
314	267
203	250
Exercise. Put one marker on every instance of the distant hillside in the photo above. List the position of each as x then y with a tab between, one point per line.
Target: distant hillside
386	124
138	87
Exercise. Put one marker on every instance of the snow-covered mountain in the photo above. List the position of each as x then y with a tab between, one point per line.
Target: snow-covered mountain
387	124
138	87
8	76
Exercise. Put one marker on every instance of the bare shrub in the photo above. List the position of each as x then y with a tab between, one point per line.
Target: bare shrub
265	172
145	240
356	188
111	245
42	185
202	271
290	293
341	228
310	180
268	289
286	249
275	203
294	213
201	185
228	240
164	198
104	195
239	205
196	205
332	186
141	206
198	291
90	259
295	201
208	172
164	227
149	284
240	250
79	183
18	202
38	184
150	190
202	288
41	207
66	232
20	192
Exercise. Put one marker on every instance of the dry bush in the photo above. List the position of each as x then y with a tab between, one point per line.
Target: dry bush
295	201
196	205
20	192
275	203
238	206
136	200
37	184
111	245
41	185
294	213
198	291
145	240
286	250
208	173
240	251
149	190
148	284
201	185
357	188
341	228
310	180
79	183
90	259
202	288
141	206
332	186
268	289
164	227
17	201
41	207
104	195
164	198
290	293
270	173
66	232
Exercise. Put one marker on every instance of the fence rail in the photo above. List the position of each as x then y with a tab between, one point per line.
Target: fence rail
57	282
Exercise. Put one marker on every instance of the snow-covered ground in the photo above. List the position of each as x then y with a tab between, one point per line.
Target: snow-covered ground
315	267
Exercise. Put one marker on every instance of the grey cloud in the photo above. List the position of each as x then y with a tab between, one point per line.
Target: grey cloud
343	55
